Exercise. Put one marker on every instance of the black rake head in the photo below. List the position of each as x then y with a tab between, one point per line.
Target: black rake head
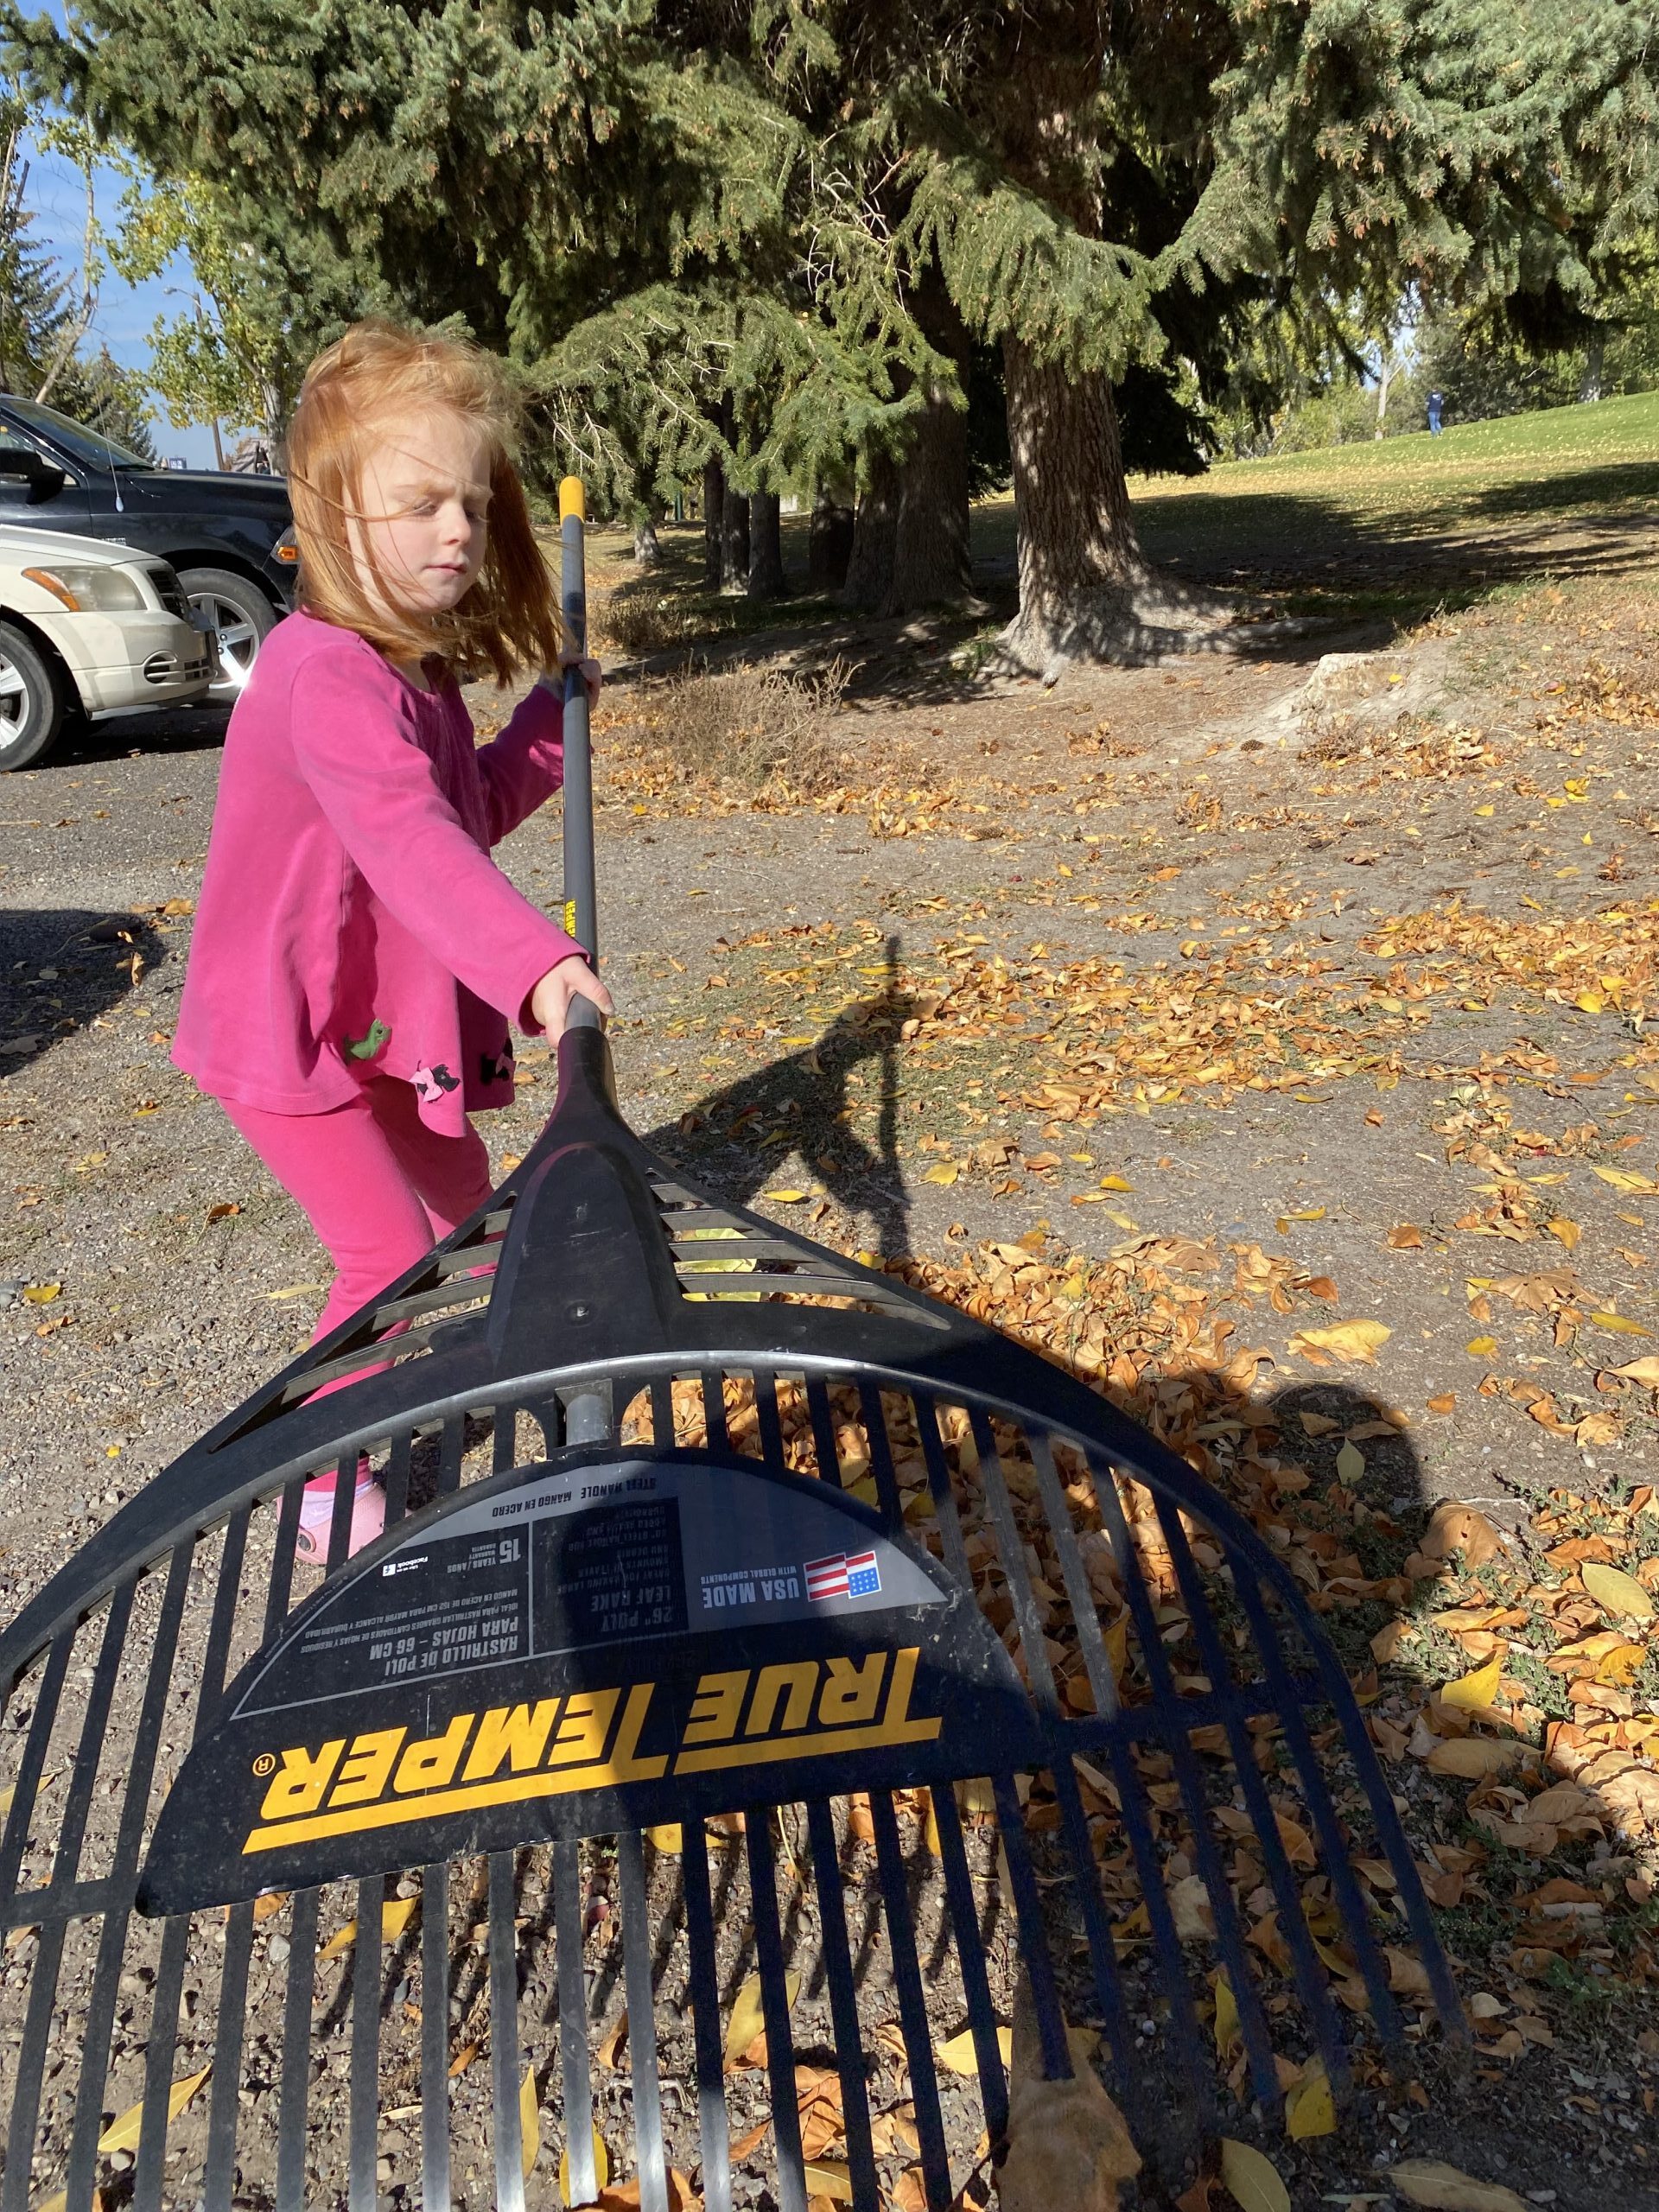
767	1674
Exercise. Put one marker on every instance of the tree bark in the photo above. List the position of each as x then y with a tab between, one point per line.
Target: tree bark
1080	563
830	545
1594	354
931	563
734	541
714	522
766	579
875	533
646	551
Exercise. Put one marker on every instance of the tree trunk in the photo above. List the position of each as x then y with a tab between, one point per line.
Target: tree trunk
1590	387
829	546
1080	565
646	551
734	541
931	565
714	522
875	533
766	578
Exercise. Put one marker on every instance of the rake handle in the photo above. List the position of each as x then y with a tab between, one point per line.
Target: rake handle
580	887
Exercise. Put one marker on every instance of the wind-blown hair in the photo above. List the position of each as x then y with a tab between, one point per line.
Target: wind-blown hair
375	376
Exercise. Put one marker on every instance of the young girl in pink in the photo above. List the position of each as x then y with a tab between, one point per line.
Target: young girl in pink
359	960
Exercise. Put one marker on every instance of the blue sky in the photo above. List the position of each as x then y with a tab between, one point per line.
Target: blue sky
56	199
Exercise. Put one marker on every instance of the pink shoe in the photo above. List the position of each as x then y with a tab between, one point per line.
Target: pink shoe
317	1516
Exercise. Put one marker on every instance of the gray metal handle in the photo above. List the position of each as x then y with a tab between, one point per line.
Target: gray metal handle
581	887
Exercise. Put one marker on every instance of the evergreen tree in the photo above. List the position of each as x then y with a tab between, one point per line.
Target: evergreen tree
786	214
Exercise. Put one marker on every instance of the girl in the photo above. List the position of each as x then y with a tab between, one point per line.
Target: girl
358	959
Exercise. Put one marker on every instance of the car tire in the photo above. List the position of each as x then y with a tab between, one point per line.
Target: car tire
242	617
33	699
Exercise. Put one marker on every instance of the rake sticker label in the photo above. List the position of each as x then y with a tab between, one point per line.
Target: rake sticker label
566	1650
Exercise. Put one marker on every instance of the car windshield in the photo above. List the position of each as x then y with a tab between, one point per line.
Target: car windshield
91	448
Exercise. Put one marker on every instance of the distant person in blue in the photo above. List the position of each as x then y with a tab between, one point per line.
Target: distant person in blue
1436	402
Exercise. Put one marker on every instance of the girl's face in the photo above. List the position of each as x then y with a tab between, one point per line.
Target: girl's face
423	511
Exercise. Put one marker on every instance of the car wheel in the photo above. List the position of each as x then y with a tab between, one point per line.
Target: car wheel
241	615
32	700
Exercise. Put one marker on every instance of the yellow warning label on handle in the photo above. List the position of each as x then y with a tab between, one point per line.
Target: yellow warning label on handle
569	918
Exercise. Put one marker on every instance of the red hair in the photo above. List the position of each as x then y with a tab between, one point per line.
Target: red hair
375	376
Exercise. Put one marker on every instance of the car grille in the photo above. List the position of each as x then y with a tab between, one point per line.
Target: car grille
170	592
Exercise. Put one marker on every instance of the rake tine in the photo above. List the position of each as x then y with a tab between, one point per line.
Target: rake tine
1384	2012
434	2038
219	2179
824	1430
767	1418
158	2069
1229	1934
31	2065
1033	1941
844	2005
573	2022
504	1444
705	2019
451	1451
662	1412
913	2004
714	1410
970	1959
1075	1576
26	1787
876	1430
1313	1984
1096	1924
279	1589
366	2042
100	2015
340	1520
642	2040
774	2010
939	1489
1011	1547
296	2054
505	2055
397	1477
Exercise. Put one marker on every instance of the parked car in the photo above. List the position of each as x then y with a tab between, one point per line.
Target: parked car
88	625
230	538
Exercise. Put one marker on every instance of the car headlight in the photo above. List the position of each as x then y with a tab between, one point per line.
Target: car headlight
89	590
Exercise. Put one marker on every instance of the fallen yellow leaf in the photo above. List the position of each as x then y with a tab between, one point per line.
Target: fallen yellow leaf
1309	2108
958	2053
530	2133
1228	2032
1351	1464
829	2178
1615	1591
121	2134
1620	1666
946	1173
1472	1756
42	1293
1481	1347
601	2165
786	1197
747	2020
667	1838
1358	1340
1115	1183
1625	1179
1644	1371
1252	2179
1620	1324
1478	1689
1432	2183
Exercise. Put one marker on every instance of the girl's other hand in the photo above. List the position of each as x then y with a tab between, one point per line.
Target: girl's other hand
549	1002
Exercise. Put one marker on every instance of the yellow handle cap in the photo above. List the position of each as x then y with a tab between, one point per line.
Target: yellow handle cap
573	500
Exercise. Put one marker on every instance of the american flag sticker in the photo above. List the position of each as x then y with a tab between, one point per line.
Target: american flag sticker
843	1574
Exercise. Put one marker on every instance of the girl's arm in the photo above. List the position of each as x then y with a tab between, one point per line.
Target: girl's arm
377	787
525	766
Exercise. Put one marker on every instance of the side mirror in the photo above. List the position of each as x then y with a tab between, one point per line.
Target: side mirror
38	478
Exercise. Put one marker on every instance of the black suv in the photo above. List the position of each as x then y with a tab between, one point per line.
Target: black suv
231	537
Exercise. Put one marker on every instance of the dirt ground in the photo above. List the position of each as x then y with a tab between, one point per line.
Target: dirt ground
1312	980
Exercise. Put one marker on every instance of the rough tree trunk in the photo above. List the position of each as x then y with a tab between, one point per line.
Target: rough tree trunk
1085	590
931	564
830	545
1594	355
734	541
875	531
766	579
714	522
646	551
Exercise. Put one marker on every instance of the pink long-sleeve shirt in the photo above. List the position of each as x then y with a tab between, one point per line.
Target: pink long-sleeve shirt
352	923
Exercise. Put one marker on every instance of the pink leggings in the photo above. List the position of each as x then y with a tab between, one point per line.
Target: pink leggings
378	1186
